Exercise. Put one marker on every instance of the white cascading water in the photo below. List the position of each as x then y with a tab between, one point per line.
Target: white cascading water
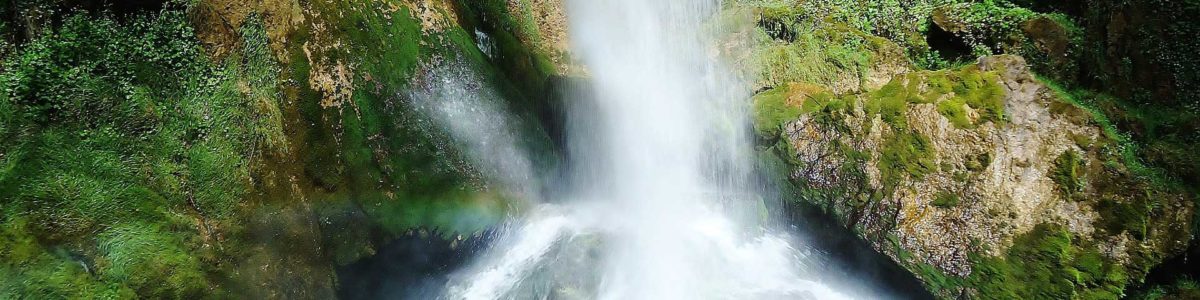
661	197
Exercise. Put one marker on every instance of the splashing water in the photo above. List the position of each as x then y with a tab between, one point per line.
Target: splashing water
661	179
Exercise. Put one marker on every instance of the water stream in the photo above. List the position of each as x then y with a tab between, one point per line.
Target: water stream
661	201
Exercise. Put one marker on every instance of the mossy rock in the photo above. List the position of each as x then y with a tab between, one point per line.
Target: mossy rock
776	107
1069	173
1047	262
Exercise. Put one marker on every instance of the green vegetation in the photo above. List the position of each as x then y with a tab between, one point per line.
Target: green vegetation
1132	216
1068	173
518	54
952	90
373	152
1182	288
1047	263
372	148
985	26
945	199
890	102
906	153
953	110
1123	66
982	91
772	111
792	48
138	166
128	155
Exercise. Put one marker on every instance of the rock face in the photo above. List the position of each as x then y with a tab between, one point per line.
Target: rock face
239	149
943	170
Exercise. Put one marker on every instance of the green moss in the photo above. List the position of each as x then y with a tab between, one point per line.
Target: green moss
1047	263
1068	173
906	154
772	111
983	92
945	199
134	149
516	38
953	91
1117	216
890	102
954	110
1182	288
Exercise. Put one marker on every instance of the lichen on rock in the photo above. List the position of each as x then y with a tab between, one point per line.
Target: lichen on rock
945	196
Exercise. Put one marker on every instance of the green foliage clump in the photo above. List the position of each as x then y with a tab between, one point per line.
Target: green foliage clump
985	26
793	47
127	149
1047	263
1068	173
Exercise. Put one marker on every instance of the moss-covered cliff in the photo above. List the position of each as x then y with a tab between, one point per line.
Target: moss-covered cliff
1002	177
196	149
237	149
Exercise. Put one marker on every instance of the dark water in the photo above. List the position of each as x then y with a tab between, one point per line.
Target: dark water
412	267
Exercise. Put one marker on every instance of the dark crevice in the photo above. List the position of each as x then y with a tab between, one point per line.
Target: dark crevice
948	46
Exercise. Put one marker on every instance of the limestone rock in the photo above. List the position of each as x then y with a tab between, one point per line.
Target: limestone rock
931	191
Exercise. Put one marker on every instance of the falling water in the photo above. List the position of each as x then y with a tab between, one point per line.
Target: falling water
661	202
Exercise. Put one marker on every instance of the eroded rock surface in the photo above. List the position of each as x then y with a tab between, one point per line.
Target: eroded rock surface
944	183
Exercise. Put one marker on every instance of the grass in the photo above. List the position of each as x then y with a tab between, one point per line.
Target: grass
125	132
137	166
823	53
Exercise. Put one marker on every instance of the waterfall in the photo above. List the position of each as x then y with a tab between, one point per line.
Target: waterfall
661	198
